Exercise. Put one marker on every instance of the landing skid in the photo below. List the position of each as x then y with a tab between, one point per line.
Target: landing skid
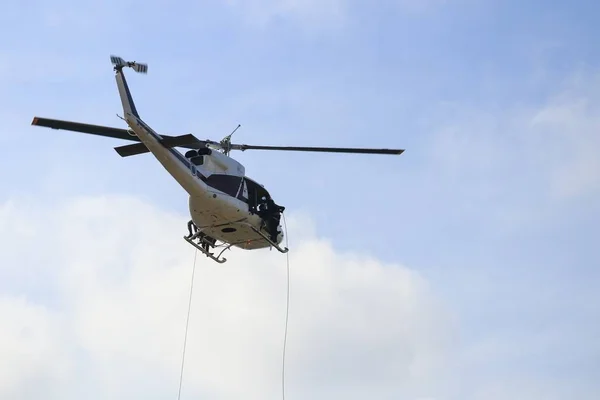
284	250
204	243
206	252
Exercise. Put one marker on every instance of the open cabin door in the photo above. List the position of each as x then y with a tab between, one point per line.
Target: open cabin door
254	192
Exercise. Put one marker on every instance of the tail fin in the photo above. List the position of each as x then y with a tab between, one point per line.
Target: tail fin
126	98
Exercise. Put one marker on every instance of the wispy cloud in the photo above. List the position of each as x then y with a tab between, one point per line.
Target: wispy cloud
547	150
309	13
421	6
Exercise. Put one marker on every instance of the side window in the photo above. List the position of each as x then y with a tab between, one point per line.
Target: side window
225	183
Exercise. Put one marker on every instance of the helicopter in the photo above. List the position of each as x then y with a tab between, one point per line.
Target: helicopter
227	208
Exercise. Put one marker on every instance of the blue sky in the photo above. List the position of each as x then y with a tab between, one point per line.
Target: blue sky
494	202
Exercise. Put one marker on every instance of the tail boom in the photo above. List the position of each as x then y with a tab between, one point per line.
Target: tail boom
129	108
124	92
173	161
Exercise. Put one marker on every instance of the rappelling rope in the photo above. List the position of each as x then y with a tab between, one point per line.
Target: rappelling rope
287	313
186	325
287	310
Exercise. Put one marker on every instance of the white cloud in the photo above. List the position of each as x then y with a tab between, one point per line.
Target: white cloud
100	304
31	349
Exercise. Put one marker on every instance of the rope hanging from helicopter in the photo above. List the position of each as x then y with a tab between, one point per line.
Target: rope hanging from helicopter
287	313
287	309
187	322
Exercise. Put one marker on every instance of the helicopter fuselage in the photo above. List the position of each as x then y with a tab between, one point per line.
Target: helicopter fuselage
221	197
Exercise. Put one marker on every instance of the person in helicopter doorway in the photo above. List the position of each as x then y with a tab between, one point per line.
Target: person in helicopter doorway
271	214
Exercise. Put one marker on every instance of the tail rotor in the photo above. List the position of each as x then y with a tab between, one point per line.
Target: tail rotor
119	63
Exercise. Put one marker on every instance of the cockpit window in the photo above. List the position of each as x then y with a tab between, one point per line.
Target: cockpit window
229	184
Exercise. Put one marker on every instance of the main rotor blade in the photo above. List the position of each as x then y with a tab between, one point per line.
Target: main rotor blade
244	147
99	130
187	141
